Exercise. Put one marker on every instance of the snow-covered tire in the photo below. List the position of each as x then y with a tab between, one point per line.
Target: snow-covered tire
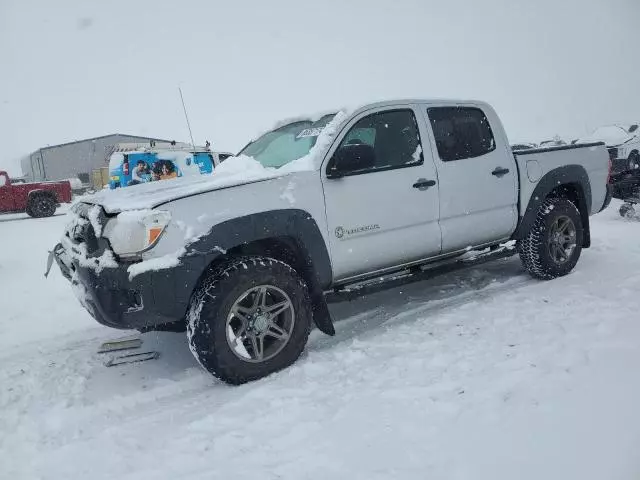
41	205
224	301
539	250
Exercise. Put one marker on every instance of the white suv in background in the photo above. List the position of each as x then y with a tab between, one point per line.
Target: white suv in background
623	143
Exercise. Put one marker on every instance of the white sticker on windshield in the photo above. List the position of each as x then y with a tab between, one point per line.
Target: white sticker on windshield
310	132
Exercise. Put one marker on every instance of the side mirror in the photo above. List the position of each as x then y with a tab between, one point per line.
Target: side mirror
351	158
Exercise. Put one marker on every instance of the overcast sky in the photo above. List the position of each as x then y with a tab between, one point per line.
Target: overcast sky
76	69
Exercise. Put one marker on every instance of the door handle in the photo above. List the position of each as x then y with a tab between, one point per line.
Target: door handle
500	172
422	184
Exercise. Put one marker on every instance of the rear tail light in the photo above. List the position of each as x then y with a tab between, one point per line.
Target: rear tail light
610	168
125	167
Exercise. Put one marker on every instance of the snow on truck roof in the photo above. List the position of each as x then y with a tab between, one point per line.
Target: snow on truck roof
361	107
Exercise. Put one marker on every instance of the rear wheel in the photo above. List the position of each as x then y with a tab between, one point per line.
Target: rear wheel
248	319
553	245
41	206
627	210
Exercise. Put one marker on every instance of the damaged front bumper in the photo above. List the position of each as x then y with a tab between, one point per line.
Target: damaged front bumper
144	302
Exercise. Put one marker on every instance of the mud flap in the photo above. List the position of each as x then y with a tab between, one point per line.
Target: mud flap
321	315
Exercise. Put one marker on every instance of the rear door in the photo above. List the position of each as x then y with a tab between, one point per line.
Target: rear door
386	215
477	176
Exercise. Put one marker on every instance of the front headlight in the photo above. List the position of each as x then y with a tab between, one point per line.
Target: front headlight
131	233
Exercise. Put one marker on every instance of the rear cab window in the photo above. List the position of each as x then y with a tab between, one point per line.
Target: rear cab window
461	132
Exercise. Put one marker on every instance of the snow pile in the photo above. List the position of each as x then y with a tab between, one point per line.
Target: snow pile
94	218
483	373
79	252
311	117
159	263
323	142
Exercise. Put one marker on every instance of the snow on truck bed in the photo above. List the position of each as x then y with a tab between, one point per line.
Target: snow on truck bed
478	374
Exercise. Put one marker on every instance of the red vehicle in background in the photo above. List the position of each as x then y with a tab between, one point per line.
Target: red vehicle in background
36	199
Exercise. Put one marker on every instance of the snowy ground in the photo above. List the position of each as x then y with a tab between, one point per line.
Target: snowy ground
479	374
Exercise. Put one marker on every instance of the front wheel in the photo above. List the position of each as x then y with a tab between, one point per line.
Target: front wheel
248	319
553	245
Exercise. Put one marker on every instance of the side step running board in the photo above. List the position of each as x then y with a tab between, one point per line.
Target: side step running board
418	274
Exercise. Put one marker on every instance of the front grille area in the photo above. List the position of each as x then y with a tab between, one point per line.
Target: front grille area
81	230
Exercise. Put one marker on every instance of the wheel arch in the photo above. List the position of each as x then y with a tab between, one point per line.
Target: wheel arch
41	192
570	182
288	235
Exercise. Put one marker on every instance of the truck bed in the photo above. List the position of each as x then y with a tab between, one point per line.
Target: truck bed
533	164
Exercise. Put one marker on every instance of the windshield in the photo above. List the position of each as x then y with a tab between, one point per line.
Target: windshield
287	143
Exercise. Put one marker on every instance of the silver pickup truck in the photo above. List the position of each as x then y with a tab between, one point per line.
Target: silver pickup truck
242	259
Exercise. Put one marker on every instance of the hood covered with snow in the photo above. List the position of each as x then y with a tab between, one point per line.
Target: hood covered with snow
232	172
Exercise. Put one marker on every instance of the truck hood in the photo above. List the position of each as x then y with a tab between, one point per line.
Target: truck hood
233	172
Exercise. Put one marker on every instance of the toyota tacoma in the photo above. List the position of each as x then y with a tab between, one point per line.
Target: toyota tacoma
243	259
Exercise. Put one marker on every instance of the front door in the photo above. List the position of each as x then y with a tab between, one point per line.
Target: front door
478	180
6	197
386	213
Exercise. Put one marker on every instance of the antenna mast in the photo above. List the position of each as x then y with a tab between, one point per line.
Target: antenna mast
193	144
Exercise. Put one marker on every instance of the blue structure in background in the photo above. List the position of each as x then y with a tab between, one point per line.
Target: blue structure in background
132	168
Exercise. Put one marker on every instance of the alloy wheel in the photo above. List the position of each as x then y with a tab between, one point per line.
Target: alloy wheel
260	323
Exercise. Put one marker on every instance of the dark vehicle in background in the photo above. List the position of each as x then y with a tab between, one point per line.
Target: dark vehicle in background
36	199
623	145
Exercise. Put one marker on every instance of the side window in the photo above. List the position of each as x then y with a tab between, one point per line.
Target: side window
361	135
392	135
3	180
461	132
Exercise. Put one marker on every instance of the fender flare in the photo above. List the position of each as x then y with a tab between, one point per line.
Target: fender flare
41	191
568	175
294	224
